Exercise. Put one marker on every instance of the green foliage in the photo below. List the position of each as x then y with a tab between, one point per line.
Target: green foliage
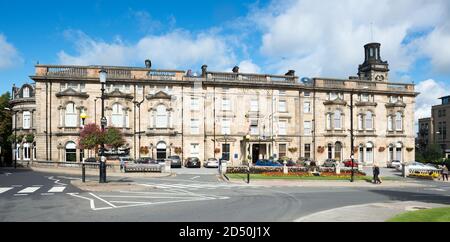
433	152
6	127
90	137
29	138
114	138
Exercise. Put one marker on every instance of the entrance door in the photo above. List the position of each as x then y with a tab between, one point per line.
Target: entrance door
161	151
258	152
226	152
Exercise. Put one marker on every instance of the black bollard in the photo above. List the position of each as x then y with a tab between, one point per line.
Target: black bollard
83	172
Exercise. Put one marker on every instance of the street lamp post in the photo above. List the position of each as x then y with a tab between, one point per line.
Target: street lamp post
351	137
102	169
247	138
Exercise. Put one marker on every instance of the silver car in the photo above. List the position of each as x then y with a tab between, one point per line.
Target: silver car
211	163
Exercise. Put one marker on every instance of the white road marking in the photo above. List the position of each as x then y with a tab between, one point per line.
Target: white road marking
47	194
57	189
20	194
17	185
29	190
56	181
103	200
5	189
195	177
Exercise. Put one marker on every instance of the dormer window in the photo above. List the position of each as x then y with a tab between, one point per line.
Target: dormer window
334	95
26	92
365	97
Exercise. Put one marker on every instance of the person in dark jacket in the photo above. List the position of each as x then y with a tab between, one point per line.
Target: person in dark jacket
376	174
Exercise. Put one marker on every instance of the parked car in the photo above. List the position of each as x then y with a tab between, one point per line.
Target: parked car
393	164
419	166
266	162
175	161
329	163
348	163
211	163
123	161
161	161
193	162
288	162
90	159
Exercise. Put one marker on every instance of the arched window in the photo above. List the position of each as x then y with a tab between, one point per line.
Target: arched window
369	153
26	92
361	153
369	120
117	117
71	115
398	121
26	120
330	151
360	122
391	152
338	151
161	117
161	150
71	152
390	123
34	151
398	151
26	151
328	124
337	119
17	151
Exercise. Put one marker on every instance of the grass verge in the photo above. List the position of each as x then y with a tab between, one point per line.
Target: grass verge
427	215
241	176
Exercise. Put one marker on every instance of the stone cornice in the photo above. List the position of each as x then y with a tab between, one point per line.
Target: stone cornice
70	92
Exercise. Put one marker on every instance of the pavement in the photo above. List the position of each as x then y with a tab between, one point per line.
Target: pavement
27	195
373	212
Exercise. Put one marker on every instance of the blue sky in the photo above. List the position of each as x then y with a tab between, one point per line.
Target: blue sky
315	38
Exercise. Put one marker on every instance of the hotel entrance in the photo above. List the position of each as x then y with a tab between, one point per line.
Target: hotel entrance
259	151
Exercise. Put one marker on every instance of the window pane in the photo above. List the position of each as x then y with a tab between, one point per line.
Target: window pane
369	121
307	107
282	106
195	126
282	150
337	120
307	127
282	127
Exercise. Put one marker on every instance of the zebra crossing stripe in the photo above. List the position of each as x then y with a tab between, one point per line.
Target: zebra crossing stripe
56	189
29	190
5	189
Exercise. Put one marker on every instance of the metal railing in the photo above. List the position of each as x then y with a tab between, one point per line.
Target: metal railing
63	71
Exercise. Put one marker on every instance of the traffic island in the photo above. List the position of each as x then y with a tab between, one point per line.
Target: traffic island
110	186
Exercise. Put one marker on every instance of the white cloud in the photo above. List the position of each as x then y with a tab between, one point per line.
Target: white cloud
436	47
327	39
247	66
9	56
430	90
176	49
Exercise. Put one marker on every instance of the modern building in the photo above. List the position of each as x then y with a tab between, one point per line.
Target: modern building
24	124
237	116
434	129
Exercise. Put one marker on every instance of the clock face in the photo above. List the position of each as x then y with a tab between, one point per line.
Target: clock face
379	78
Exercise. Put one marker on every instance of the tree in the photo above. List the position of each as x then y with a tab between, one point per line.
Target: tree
90	137
5	128
114	138
433	152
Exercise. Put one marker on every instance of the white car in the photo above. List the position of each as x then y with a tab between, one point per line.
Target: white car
419	166
212	163
394	164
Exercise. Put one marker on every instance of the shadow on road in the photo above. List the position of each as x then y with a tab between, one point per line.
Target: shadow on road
414	196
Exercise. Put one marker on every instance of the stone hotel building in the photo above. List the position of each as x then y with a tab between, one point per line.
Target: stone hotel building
237	116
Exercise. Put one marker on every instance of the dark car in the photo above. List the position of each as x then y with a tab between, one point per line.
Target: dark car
90	159
193	162
348	163
175	161
265	162
288	163
329	163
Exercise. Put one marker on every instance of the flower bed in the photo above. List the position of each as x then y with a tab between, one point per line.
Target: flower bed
292	169
310	174
425	175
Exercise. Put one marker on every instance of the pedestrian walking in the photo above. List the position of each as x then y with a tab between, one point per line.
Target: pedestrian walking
444	173
376	174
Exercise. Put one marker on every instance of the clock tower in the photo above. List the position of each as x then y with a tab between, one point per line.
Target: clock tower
373	68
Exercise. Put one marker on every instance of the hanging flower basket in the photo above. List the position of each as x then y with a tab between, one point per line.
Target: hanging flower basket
143	150
217	150
409	149
381	149
355	150
320	149
292	149
178	150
